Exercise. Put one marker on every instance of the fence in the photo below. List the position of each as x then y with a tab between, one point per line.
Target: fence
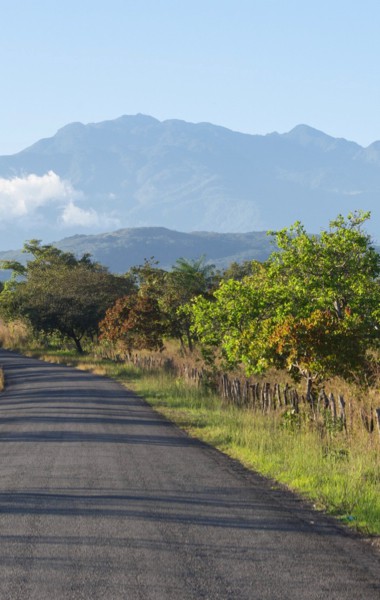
268	397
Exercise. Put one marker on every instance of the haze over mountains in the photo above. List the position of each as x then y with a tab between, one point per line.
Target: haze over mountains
126	248
136	171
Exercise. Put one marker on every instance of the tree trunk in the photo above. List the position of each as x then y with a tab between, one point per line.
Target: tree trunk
78	345
189	341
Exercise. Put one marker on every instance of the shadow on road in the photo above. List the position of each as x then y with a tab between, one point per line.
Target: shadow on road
213	507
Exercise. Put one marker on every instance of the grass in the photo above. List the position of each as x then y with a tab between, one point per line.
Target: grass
339	474
2	380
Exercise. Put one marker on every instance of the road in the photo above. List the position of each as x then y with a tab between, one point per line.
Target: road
101	498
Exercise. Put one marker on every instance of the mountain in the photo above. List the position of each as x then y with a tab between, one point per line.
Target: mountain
136	171
125	248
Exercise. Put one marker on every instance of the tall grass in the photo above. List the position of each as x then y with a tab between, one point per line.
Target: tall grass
14	335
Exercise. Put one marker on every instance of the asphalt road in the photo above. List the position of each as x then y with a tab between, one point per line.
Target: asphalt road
102	498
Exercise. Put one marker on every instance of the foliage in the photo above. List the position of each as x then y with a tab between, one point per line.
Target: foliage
149	278
186	280
194	276
321	344
313	307
233	320
239	270
136	321
56	292
141	320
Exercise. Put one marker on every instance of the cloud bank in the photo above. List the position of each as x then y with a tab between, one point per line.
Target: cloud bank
22	198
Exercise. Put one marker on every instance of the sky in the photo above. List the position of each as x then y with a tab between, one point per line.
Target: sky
254	66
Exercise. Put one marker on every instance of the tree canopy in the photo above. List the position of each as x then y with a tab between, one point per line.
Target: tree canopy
57	292
313	307
143	319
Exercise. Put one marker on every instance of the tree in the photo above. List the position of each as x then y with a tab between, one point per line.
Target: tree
229	324
186	280
313	307
149	278
56	292
195	276
136	321
329	315
143	319
239	270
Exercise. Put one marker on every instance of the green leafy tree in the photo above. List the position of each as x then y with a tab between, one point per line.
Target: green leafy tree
57	293
149	278
239	270
313	307
186	280
230	324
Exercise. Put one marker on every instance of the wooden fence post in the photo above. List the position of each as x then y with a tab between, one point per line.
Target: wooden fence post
236	393
253	394
332	406
257	393
245	394
295	400
278	394
224	385
286	394
322	401
342	412
268	397
263	398
377	413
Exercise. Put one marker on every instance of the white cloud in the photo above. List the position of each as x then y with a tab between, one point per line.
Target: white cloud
23	196
74	215
24	200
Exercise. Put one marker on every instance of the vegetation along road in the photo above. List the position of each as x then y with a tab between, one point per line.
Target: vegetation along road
103	498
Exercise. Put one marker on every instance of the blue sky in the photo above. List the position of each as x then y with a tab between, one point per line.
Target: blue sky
254	66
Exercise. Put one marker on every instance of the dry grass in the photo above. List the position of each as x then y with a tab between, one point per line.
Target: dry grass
14	335
92	368
2	380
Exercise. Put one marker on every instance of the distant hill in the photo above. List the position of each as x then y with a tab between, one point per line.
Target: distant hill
125	248
136	171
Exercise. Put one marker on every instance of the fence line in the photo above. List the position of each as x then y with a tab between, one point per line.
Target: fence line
268	397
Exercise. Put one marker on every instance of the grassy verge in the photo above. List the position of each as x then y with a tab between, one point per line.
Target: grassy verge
339	475
2	380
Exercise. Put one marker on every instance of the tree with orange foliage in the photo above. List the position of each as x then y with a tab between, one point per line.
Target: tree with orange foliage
136	321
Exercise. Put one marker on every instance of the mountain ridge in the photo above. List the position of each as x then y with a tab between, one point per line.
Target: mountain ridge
137	171
121	249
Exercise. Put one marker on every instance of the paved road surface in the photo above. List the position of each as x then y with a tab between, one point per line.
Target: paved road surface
100	498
